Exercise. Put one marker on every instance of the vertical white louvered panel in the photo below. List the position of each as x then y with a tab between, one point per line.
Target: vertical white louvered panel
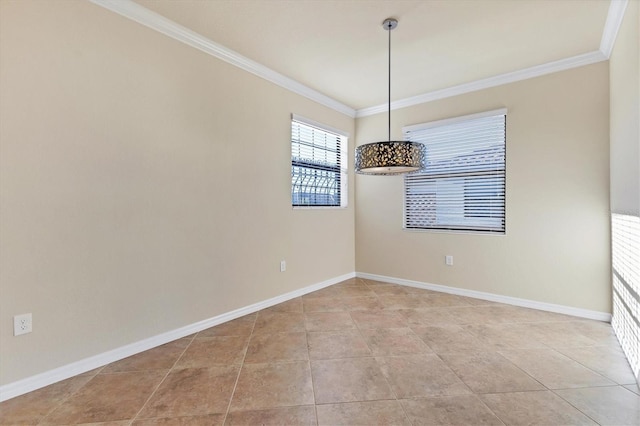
625	246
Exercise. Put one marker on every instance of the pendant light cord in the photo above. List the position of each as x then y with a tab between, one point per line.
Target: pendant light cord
389	114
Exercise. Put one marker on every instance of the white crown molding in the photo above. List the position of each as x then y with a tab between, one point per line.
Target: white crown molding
498	80
612	26
155	21
150	19
549	307
609	34
12	390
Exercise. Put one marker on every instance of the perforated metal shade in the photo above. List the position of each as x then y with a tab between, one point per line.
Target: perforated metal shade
390	158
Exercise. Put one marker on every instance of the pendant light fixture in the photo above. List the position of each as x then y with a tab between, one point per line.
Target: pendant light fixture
390	157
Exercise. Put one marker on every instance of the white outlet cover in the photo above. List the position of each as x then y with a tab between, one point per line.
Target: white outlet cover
448	260
22	324
283	266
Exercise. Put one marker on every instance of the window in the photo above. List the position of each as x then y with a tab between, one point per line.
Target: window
318	153
463	186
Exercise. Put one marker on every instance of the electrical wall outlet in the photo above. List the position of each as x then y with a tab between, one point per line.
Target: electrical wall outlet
448	260
22	324
283	265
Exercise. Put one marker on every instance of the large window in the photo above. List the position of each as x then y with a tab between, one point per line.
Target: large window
463	186
318	159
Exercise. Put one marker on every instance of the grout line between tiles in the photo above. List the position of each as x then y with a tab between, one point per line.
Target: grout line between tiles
246	349
569	402
134	418
55	407
313	388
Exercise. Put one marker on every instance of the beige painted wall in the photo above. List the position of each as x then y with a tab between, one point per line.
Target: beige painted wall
556	248
144	186
625	115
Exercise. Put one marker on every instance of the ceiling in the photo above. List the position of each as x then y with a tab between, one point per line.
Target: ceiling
339	48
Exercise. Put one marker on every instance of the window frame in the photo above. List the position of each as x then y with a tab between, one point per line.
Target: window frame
452	227
342	161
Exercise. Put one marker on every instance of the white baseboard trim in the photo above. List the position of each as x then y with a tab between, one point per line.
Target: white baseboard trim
29	384
543	306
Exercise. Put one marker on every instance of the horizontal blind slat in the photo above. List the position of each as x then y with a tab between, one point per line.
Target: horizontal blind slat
315	166
463	186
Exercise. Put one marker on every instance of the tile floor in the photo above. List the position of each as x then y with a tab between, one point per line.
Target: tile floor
360	353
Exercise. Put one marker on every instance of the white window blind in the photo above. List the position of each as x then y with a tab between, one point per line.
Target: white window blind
463	185
317	175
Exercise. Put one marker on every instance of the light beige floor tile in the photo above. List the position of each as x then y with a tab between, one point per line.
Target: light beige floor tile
405	301
418	290
445	300
479	314
554	370
394	341
206	420
107	397
337	344
301	415
505	336
323	304
378	319
534	408
606	405
527	315
160	358
599	331
354	291
362	413
361	303
449	338
633	388
415	376
417	300
263	386
207	352
345	291
351	281
238	327
489	372
477	302
279	322
324	292
560	334
192	391
348	380
328	321
30	408
606	360
427	317
266	348
293	305
388	289
449	410
341	304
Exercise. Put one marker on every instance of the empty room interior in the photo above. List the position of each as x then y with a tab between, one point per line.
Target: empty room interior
330	212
